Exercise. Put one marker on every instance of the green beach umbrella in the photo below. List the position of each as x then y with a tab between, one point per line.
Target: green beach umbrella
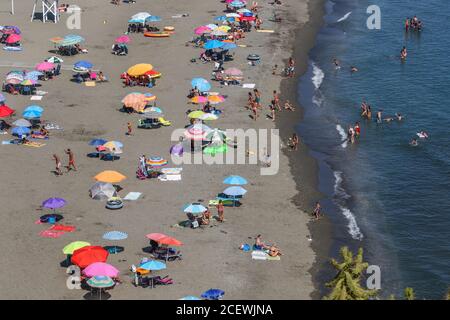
71	247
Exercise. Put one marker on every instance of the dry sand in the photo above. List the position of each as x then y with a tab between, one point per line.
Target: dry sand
30	264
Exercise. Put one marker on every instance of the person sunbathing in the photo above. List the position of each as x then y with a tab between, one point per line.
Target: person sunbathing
259	244
274	251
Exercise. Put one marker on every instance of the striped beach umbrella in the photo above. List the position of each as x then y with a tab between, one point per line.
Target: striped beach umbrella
194	208
156	162
100	282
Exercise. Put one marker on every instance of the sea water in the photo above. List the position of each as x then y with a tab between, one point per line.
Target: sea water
382	194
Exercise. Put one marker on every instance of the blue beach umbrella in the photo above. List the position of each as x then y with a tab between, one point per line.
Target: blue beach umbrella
194	208
71	40
213	294
220	18
235	180
213	44
97	142
83	64
153	19
33	75
201	84
237	4
20	131
235	191
115	235
31	114
228	46
35	108
153	265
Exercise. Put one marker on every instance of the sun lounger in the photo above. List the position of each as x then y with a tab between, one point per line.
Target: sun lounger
132	196
162	281
33	144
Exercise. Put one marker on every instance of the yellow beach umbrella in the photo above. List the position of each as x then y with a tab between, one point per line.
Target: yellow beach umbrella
139	69
224	28
196	114
110	176
71	247
112	145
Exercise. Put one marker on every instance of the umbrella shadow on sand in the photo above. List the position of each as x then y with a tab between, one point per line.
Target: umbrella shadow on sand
95	295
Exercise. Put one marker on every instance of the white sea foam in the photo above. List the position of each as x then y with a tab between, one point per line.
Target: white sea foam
339	192
318	76
318	99
343	135
345	17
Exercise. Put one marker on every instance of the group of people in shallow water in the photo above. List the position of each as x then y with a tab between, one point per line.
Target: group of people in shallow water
413	24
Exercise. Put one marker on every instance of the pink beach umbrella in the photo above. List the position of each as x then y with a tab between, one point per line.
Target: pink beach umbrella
100	269
123	39
197	132
201	30
45	66
13	38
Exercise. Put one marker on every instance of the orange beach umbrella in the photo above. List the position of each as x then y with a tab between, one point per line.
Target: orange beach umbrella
110	176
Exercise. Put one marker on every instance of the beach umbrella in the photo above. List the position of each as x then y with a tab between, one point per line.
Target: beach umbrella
228	46
115	235
149	97
213	294
194	208
152	115
235	191
246	18
97	142
28	82
190	298
69	40
164	239
208	117
244	10
199	99
101	269
20	131
233	15
220	18
155	110
102	191
32	114
216	134
224	28
153	265
113	145
153	74
139	69
83	64
100	282
22	123
54	59
45	66
197	132
157	162
153	19
237	4
195	114
54	203
212	44
140	16
219	33
233	72
6	111
15	76
33	75
11	30
89	254
235	180
123	39
13	38
216	99
14	81
46	217
34	107
71	247
201	30
177	149
201	84
137	101
211	26
110	176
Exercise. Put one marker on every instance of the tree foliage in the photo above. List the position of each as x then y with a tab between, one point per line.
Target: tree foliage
346	285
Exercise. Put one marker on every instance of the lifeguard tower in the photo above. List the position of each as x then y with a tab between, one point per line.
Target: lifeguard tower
49	10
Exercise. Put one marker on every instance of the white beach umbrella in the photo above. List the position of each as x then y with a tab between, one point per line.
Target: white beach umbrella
102	191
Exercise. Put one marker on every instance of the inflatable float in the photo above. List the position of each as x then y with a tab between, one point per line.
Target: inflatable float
156	34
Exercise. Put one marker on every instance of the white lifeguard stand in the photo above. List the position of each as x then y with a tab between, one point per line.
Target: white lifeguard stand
48	8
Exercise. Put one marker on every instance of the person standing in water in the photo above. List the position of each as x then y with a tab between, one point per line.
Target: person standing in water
379	119
407	25
317	210
403	53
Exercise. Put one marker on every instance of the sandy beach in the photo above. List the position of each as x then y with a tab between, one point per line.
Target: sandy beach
275	206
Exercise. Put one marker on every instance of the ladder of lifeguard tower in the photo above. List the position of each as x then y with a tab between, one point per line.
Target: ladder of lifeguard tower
47	7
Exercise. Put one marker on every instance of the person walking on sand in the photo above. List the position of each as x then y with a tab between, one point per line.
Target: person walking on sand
257	98
295	141
291	67
58	165
276	100
71	160
272	110
129	129
317	210
250	100
220	210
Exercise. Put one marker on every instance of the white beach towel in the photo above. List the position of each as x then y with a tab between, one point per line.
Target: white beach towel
171	170
170	177
132	196
36	98
41	93
248	85
259	255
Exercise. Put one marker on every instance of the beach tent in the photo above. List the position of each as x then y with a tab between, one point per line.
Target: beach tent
102	191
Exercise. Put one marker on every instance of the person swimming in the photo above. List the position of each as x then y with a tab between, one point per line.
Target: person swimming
353	69
414	143
399	116
403	53
422	135
336	63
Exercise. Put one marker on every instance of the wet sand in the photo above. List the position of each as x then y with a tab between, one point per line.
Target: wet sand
272	207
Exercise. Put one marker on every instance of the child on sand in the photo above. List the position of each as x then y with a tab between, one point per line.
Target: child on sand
129	129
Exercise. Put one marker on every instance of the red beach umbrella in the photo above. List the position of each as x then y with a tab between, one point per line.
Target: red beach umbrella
88	255
161	238
6	111
13	38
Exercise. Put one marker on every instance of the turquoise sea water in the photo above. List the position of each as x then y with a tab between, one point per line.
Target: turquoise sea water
383	194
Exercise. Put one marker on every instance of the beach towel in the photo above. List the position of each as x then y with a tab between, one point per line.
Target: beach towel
41	93
259	255
89	83
34	144
132	196
277	258
248	85
36	98
213	203
51	233
61	227
170	177
171	170
265	31
7	48
6	142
